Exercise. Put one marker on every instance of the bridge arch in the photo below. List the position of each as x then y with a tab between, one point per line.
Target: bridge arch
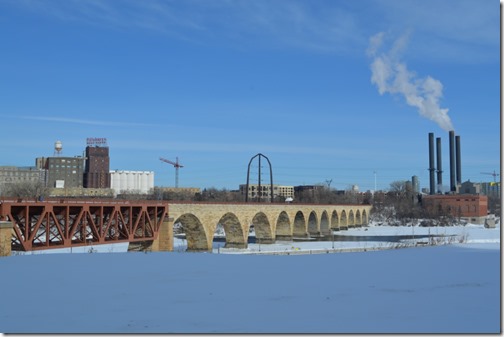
262	228
233	230
325	226
364	219
313	226
358	220
335	221
344	220
283	227
351	219
196	234
299	229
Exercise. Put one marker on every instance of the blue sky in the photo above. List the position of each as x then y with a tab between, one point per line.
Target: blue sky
327	90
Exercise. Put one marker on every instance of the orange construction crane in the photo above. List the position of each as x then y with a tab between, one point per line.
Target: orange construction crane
176	165
492	174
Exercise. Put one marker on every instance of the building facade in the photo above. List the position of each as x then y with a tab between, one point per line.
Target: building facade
264	191
64	172
13	174
97	169
470	207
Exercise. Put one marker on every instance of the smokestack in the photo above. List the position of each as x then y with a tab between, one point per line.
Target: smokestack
453	186
439	166
432	186
457	154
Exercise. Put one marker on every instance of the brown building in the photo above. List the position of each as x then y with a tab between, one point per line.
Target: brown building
97	170
470	207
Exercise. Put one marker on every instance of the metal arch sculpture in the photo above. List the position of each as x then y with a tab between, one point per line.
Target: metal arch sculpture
259	177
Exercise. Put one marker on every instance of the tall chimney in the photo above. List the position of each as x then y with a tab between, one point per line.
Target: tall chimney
439	166
432	185
457	154
453	186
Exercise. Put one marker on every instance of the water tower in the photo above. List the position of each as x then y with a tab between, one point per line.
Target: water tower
58	148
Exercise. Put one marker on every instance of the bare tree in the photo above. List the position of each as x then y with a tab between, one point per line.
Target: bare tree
26	189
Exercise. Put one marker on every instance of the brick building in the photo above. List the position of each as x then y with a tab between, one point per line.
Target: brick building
97	170
470	207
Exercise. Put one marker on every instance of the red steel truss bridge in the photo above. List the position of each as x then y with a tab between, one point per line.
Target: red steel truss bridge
63	223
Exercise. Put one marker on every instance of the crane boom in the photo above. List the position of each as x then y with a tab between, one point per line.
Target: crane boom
175	164
492	174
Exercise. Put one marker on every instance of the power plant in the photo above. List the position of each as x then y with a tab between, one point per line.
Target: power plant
455	164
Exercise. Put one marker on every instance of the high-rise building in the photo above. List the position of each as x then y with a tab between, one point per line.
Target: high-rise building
97	169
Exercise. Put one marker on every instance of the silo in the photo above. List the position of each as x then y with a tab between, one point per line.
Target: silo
143	184
150	180
415	184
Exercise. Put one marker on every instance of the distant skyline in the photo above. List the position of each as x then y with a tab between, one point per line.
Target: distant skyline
327	90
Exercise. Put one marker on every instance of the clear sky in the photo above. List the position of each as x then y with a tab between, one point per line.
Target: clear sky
327	90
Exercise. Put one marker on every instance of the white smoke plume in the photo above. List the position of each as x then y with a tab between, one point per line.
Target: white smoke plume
392	76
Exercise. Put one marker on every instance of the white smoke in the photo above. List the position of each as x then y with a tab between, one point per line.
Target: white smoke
392	76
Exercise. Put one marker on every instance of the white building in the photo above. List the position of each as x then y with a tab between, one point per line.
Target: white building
131	181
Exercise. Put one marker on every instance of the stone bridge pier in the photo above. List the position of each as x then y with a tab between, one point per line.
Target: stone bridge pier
271	222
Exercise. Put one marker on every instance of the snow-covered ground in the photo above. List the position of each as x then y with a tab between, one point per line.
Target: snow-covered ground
447	288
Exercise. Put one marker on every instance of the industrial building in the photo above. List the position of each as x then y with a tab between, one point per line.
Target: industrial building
131	181
63	172
97	170
13	174
465	200
491	189
88	176
470	207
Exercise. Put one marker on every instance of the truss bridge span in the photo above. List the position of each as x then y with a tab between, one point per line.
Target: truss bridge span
62	223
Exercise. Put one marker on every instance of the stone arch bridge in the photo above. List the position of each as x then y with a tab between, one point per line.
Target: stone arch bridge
271	222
